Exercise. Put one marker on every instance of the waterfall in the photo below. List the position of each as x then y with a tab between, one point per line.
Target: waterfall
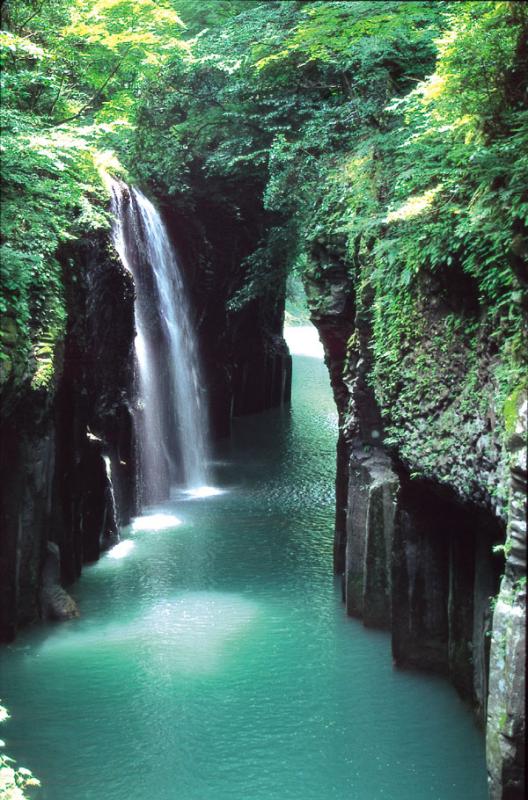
171	420
112	497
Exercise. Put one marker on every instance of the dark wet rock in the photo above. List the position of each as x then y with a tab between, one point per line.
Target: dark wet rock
332	310
55	602
382	507
54	442
27	461
68	463
372	503
246	362
420	496
506	728
93	408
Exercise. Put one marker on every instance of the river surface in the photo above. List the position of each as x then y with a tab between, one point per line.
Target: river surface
214	659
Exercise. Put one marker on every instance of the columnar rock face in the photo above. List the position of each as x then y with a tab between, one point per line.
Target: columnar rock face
67	459
67	455
55	602
421	511
95	449
27	442
506	722
246	361
372	502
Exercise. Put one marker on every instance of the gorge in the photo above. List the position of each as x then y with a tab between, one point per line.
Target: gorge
216	646
170	486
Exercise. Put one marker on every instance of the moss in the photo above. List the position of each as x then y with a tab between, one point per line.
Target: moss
510	409
441	389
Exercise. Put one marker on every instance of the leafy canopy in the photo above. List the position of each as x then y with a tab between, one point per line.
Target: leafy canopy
72	74
393	135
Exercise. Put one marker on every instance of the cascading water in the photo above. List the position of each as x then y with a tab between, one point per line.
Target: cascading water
171	422
112	498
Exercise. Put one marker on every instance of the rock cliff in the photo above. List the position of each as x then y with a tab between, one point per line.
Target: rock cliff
430	492
67	454
506	730
246	360
67	458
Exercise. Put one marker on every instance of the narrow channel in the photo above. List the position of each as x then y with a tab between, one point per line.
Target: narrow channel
214	660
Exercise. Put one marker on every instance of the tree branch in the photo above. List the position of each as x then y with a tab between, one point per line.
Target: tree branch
35	13
97	94
56	100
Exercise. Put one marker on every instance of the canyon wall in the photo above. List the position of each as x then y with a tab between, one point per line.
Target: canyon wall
245	358
431	491
67	449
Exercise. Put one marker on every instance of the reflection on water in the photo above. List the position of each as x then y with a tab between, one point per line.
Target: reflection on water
215	661
304	341
191	633
155	522
204	491
120	550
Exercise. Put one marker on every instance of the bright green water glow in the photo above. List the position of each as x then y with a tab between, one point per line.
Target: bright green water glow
214	660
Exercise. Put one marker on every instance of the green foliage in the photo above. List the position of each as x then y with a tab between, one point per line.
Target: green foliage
280	101
392	136
459	191
13	781
264	270
457	207
71	75
50	185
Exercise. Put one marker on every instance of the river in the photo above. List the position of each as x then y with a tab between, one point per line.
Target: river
214	659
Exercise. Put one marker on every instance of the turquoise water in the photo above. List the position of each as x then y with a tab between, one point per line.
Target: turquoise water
214	660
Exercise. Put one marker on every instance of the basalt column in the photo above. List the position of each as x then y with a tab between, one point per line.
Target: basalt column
67	448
